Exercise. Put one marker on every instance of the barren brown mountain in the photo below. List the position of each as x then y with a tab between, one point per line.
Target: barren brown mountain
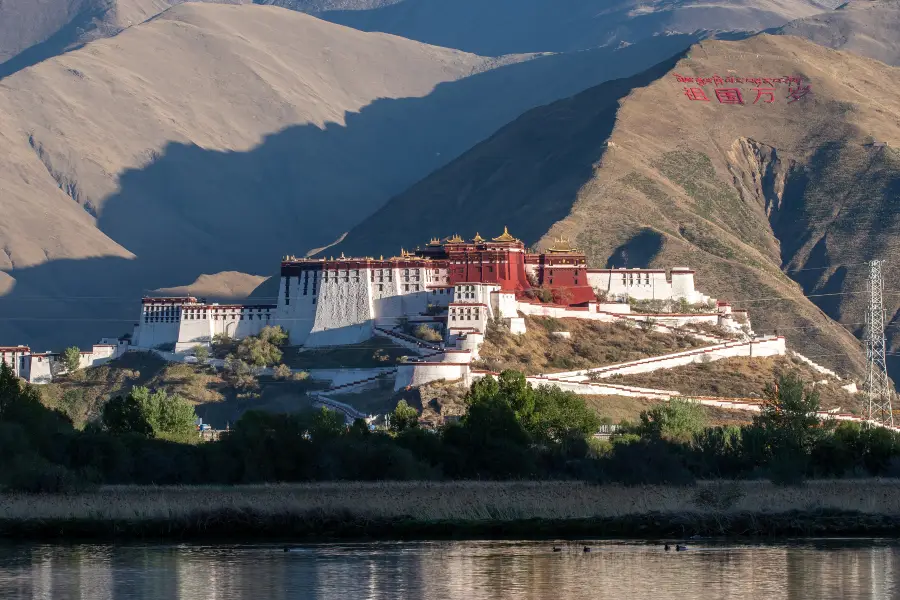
217	138
866	27
770	188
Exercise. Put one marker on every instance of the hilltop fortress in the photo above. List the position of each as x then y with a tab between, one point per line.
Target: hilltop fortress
453	285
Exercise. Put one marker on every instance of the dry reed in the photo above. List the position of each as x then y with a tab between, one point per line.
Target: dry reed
452	501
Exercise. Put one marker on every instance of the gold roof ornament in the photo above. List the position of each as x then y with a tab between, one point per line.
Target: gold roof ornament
434	242
455	239
505	236
478	239
561	245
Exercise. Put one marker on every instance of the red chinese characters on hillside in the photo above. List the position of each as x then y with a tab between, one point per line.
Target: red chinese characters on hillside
725	91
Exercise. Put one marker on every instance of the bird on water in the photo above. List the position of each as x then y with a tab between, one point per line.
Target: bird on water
667	548
587	549
680	548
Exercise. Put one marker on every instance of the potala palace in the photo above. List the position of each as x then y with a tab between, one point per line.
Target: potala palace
454	286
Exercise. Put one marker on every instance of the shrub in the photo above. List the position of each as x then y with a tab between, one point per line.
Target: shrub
282	372
426	333
201	353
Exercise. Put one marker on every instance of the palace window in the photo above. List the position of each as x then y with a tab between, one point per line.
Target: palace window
380	287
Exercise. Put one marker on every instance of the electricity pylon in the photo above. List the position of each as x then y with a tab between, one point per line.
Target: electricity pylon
878	387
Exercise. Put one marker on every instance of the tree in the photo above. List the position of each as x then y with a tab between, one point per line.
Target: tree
327	424
677	420
789	427
71	359
263	350
404	417
560	417
788	415
239	373
151	414
126	415
201	353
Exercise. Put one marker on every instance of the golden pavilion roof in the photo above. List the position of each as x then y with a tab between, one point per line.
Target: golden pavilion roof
477	239
505	236
434	242
455	239
561	245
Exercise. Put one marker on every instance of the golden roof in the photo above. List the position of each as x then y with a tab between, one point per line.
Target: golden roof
434	242
477	239
455	239
505	236
562	244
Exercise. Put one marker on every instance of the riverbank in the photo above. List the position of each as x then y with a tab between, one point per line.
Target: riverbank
459	510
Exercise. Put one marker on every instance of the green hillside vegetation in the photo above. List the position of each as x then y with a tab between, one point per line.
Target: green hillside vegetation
592	344
82	395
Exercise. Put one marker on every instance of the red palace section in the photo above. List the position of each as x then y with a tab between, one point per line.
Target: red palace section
502	260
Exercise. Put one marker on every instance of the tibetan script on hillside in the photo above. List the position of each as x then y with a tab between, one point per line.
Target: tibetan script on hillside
765	90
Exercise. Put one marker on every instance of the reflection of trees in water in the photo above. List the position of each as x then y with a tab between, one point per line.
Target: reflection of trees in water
443	570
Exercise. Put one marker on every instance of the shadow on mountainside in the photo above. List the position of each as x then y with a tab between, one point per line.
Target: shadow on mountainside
519	26
564	150
68	38
194	211
637	252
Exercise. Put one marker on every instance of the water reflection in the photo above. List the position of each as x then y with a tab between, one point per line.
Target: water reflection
442	570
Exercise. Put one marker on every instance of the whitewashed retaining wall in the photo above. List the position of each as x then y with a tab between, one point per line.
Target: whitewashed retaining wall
416	374
815	366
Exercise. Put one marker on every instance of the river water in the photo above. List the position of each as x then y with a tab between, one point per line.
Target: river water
817	569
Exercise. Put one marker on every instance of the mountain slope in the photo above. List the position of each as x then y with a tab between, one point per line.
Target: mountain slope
863	27
219	138
739	192
511	26
35	30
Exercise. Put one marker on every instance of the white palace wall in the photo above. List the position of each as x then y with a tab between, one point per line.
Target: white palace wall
647	284
342	306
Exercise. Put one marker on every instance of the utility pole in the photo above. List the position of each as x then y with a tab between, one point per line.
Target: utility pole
878	387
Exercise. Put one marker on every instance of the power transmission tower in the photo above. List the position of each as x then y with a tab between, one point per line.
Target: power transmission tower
878	387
